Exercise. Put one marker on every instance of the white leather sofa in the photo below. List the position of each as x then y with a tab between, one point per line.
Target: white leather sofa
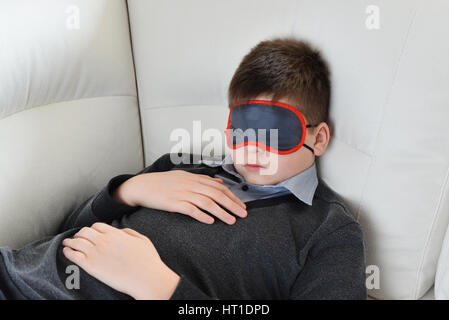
93	88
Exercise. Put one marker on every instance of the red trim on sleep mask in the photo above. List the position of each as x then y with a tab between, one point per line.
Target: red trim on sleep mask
262	145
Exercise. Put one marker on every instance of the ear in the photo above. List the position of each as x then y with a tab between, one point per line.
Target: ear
322	137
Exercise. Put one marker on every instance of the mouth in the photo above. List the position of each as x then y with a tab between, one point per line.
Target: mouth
253	167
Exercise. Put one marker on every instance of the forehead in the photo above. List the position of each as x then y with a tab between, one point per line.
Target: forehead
269	97
282	100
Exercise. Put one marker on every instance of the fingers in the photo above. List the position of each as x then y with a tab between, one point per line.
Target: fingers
208	193
226	191
189	209
198	175
134	233
204	176
218	184
103	227
89	234
221	198
76	257
83	242
209	205
79	244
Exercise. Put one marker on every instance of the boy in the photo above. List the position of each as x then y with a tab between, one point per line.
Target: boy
280	232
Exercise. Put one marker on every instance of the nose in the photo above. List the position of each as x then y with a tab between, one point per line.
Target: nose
252	149
255	149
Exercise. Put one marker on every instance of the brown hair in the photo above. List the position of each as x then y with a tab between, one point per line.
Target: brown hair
285	68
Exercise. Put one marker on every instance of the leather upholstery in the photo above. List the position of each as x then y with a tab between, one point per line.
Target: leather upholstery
68	110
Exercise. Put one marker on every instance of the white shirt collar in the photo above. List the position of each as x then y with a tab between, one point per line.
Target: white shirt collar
303	185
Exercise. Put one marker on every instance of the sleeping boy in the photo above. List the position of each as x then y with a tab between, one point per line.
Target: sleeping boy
258	224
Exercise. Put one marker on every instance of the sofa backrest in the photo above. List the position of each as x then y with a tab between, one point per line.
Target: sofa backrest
388	156
69	118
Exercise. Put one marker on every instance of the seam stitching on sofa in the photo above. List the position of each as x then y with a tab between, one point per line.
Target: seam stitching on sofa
182	106
443	264
351	146
384	108
135	81
62	101
429	237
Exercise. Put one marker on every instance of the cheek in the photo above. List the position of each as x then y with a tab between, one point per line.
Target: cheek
238	156
287	165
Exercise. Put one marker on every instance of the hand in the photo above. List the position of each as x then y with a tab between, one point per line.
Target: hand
123	259
183	192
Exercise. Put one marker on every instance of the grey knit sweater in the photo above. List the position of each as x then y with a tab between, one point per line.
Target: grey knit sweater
283	249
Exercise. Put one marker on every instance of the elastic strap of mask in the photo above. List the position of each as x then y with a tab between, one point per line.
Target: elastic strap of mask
311	149
308	148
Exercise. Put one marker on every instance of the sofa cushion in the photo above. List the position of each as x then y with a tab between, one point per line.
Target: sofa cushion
68	109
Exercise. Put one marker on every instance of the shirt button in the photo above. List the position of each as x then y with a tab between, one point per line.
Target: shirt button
245	188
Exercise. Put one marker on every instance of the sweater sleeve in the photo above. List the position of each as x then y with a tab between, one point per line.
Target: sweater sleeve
186	290
102	207
335	268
